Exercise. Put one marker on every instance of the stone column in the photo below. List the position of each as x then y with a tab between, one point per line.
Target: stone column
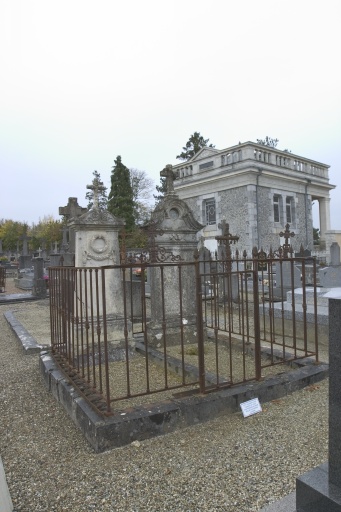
324	207
319	490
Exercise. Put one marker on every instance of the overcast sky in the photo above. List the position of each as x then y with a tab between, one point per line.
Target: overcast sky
84	81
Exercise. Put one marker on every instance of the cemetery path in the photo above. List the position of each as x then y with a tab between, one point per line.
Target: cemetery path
228	464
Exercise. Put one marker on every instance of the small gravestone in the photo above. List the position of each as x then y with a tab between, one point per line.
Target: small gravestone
335	254
285	273
330	277
39	283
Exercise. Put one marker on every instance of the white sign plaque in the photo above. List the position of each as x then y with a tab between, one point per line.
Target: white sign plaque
250	407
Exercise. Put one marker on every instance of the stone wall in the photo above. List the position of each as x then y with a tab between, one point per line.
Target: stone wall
249	212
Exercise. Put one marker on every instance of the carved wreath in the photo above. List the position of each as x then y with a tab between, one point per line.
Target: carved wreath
98	250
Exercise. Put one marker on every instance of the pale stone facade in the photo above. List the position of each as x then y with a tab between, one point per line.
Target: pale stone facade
257	190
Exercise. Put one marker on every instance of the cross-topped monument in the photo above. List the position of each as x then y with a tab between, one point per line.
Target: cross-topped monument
96	188
25	239
287	235
72	209
226	238
170	176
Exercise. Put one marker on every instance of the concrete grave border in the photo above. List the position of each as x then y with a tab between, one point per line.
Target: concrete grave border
146	421
149	420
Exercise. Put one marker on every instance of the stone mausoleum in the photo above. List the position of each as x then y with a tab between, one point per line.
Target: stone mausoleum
257	189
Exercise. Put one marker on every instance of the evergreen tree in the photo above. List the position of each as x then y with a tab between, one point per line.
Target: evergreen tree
121	198
161	189
194	144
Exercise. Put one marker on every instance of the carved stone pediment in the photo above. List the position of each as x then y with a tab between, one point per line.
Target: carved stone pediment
204	153
174	215
97	217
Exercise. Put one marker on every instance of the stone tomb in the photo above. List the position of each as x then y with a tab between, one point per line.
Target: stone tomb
96	245
174	239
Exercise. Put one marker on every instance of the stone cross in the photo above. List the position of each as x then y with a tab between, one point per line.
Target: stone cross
25	239
170	176
226	238
72	209
96	189
287	235
56	247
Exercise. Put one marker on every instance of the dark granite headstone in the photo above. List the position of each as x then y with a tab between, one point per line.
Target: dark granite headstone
39	283
319	490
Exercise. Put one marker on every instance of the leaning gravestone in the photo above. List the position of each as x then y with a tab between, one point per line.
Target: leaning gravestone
173	237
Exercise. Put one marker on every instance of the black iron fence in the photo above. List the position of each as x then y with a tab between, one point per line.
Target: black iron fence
125	332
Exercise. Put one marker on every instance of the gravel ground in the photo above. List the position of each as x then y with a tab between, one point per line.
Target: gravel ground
227	464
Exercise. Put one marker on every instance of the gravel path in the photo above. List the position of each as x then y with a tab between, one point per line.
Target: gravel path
227	464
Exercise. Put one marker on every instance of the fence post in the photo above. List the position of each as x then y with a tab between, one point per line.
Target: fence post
200	325
256	319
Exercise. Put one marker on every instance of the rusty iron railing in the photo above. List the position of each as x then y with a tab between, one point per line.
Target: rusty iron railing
125	332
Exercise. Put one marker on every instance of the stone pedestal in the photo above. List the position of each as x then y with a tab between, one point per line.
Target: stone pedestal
319	490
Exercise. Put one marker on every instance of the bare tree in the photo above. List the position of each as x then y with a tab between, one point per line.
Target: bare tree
143	187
